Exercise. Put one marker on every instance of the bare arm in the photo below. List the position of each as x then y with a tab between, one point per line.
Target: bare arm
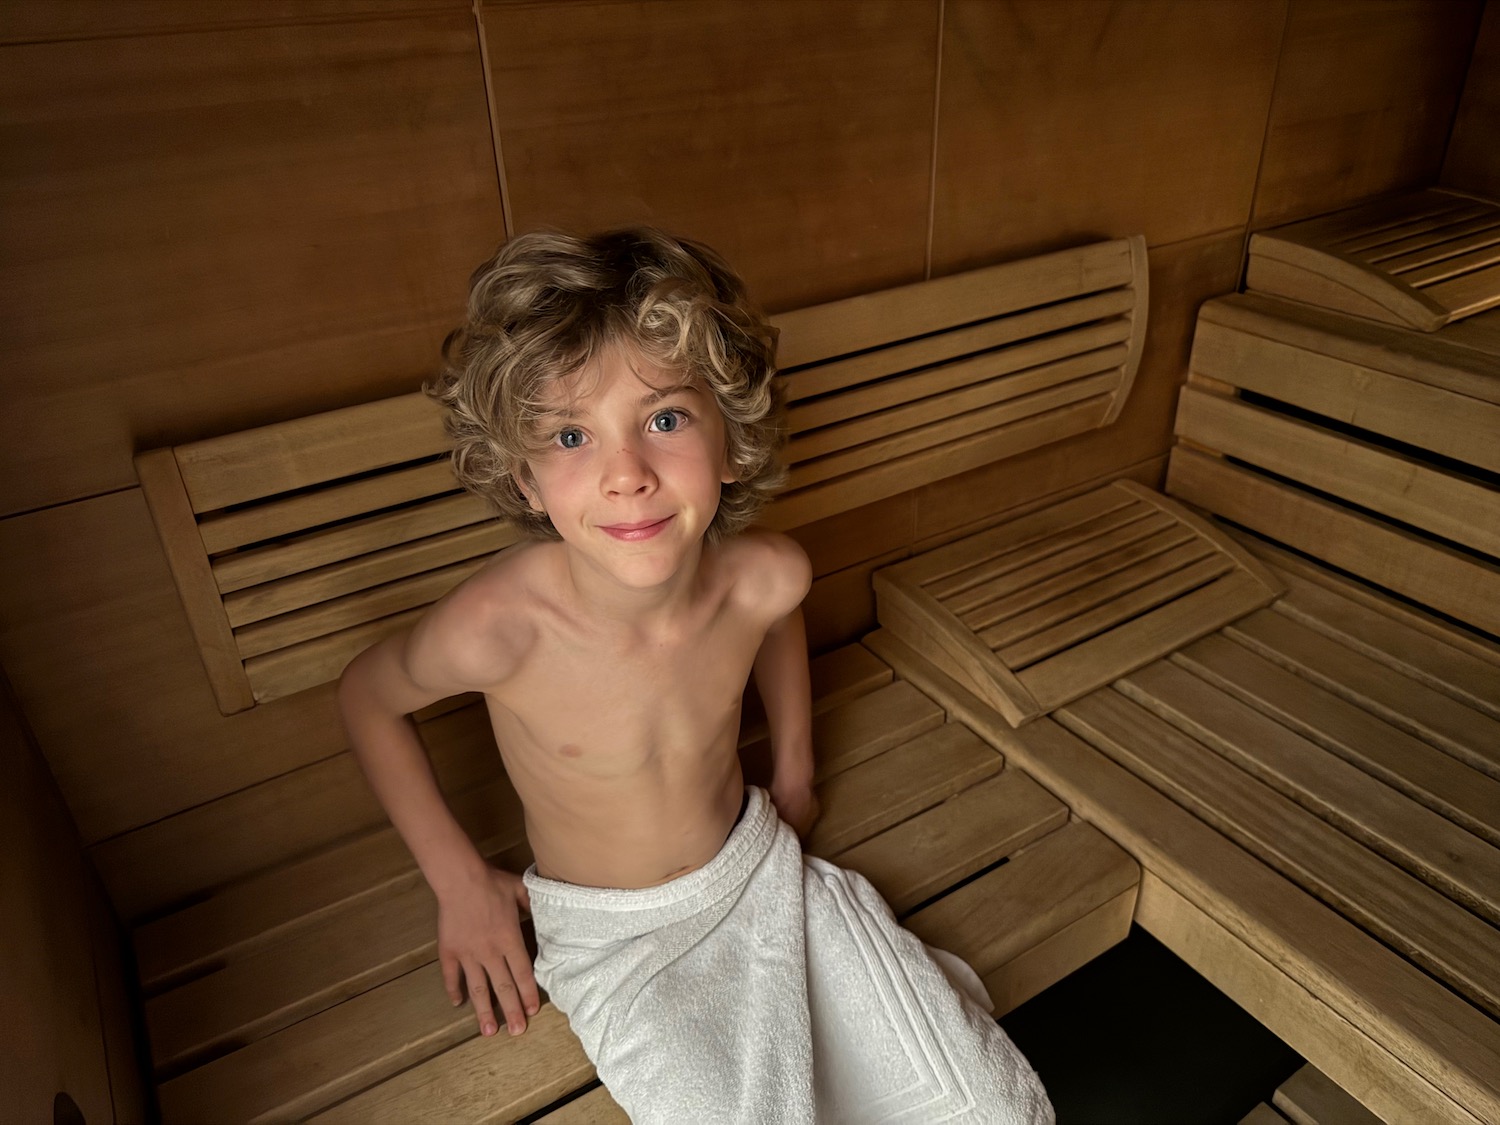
479	934
784	683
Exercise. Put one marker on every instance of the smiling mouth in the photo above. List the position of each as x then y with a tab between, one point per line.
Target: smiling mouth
635	532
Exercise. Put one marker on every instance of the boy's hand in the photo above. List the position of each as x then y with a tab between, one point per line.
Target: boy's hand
797	805
479	936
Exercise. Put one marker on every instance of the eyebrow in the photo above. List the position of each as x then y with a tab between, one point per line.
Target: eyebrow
650	399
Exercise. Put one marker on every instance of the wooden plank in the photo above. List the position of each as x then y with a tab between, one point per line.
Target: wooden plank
358	1043
594	1108
1434	932
889	478
1335	988
1210	530
1415	838
1065	571
1069	949
1463	358
861	802
1467	255
264	907
1467	735
1409	616
1450	582
935	849
1421	771
500	1079
1334	281
1263	1114
1039	356
1456	425
949	570
162	486
271	519
317	548
321	660
1104	602
352	609
1041	890
283	456
1301	1018
1443	667
1434	245
1067	674
1456	507
1141	286
326	582
1310	1097
834	375
1402	219
857	323
928	627
912	410
1077	393
1469	293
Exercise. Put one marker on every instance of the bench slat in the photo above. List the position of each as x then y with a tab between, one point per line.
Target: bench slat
809	443
1443	854
1110	600
1467	735
1451	238
285	456
1437	934
835	375
225	531
1420	770
1455	507
1424	570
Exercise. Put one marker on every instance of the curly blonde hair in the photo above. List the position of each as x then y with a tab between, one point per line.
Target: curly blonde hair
548	303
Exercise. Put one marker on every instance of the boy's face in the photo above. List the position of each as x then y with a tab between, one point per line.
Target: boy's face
633	467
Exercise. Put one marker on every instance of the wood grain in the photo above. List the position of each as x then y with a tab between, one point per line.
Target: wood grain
1060	121
1472	162
1364	97
263	223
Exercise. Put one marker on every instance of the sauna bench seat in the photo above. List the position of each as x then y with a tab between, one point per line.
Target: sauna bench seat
1313	795
312	991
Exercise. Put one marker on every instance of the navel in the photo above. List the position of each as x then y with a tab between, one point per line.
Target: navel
568	750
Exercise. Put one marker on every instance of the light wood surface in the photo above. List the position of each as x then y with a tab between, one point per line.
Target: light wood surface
1394	1035
1310	1097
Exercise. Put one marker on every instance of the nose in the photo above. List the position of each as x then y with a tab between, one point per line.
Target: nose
628	472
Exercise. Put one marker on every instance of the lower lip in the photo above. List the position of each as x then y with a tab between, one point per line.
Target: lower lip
637	534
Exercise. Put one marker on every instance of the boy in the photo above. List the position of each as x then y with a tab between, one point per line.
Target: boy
614	396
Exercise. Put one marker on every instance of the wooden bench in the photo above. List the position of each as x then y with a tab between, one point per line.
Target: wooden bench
296	545
310	989
1313	790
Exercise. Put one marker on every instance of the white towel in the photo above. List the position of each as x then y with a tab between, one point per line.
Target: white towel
770	987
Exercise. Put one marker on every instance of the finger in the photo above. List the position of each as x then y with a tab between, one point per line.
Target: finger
509	997
450	978
479	995
522	973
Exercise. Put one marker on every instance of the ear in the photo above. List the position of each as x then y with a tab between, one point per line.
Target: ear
728	473
522	476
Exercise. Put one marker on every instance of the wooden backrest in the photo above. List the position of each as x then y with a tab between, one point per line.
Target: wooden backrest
1374	449
297	544
1419	260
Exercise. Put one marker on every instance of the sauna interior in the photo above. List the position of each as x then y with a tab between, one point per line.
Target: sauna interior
1253	248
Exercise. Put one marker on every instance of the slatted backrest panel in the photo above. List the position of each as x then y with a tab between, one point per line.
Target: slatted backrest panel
1040	610
1378	455
1419	260
297	544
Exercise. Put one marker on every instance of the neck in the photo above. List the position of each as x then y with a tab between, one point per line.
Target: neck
605	598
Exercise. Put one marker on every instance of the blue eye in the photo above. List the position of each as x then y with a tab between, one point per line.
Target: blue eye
570	438
666	421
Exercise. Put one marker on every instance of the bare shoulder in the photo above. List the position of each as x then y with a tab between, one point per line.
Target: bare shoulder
478	634
769	571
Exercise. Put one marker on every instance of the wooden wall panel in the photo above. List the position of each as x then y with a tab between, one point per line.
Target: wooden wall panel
1183	276
794	138
1364	100
28	21
206	231
52	922
97	645
1062	121
1473	159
